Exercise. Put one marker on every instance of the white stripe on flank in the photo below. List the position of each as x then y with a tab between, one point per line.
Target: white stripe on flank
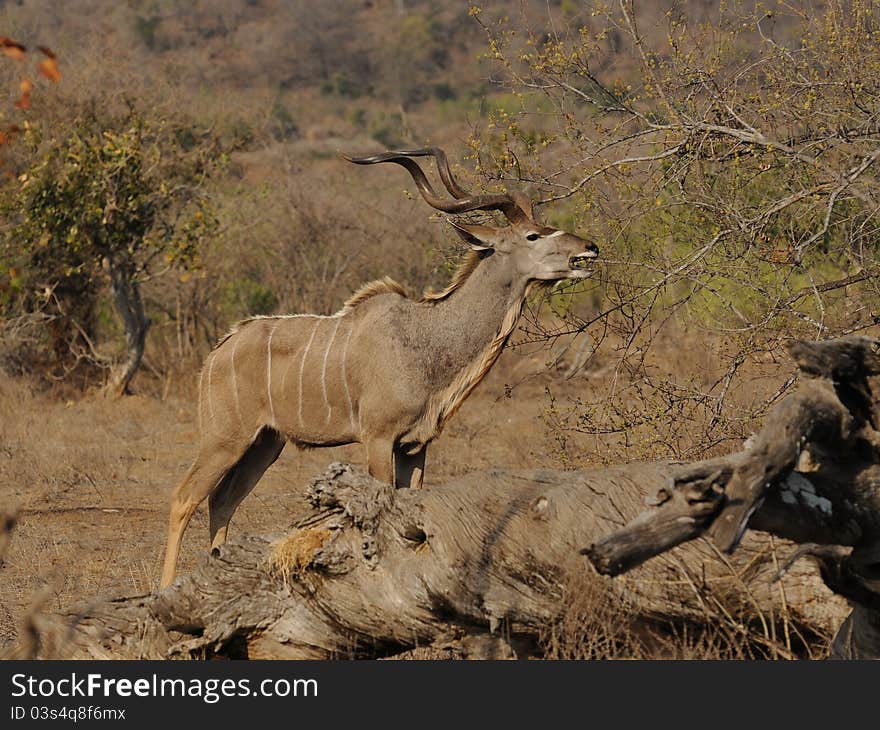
210	371
345	375
299	392
324	372
201	400
235	380
269	373
555	233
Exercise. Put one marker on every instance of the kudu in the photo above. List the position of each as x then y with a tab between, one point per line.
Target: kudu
387	370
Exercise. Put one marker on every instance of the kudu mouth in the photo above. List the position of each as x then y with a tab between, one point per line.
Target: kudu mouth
582	261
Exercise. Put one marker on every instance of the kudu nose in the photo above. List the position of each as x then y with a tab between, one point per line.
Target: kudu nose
582	260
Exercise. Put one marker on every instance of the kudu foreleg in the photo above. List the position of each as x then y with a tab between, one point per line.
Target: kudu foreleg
380	459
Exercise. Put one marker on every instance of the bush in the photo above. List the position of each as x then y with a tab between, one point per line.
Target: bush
107	200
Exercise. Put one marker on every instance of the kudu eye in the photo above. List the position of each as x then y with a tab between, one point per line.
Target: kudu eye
532	237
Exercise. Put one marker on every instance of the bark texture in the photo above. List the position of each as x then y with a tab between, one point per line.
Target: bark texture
130	305
479	566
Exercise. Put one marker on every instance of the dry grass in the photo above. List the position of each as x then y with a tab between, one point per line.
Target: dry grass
90	479
293	554
600	622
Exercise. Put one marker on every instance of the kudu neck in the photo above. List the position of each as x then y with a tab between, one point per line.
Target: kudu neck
494	281
466	322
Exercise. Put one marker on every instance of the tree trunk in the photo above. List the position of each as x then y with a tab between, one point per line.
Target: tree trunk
130	305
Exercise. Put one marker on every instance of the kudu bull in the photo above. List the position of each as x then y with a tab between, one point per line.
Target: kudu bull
387	370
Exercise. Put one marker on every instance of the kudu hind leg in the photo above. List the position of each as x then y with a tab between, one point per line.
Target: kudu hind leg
240	481
209	469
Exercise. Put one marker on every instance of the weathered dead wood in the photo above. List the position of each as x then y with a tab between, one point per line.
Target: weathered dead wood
372	571
812	476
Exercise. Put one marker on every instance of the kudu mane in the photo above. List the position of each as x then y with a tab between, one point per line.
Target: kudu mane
387	285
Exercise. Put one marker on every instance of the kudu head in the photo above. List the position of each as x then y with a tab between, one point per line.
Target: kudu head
538	252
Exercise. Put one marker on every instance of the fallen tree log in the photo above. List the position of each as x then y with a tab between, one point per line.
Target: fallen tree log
811	476
483	565
479	567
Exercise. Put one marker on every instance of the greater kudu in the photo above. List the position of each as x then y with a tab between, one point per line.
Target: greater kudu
387	370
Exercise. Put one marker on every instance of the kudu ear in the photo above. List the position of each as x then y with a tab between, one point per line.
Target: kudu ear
479	238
